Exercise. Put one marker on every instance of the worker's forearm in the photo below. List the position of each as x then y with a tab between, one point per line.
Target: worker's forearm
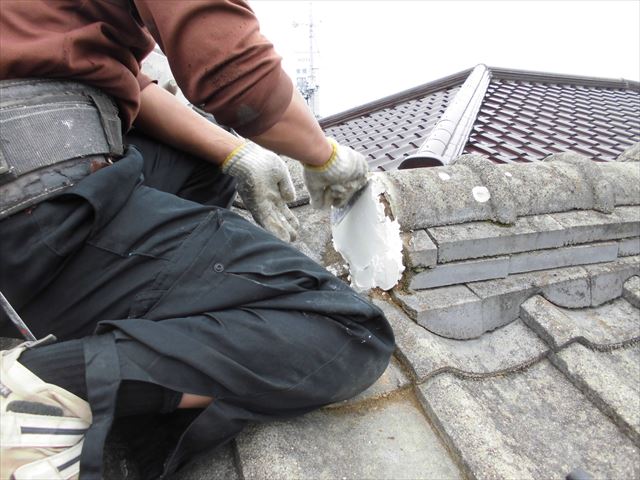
163	117
297	135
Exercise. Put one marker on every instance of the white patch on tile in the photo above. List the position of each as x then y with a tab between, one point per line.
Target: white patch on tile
481	194
444	176
508	174
370	241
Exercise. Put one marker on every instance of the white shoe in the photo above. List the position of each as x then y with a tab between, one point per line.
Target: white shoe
42	425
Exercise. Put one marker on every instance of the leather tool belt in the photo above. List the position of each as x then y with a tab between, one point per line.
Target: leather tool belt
53	133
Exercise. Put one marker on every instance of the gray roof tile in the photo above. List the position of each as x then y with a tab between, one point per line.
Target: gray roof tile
610	379
468	311
527	425
426	354
536	232
486	239
631	291
607	279
629	247
382	441
610	325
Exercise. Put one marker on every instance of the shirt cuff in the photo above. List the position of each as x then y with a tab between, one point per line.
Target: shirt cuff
144	80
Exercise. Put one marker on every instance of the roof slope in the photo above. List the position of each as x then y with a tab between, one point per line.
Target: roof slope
388	135
524	117
521	120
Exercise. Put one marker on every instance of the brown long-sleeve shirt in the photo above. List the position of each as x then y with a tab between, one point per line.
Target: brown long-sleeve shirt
215	49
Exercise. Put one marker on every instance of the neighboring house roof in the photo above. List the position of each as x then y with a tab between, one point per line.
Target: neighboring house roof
523	116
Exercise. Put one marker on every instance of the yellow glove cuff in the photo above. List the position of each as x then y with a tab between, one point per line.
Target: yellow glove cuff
324	167
232	154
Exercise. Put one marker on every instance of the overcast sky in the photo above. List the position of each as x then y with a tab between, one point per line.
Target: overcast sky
369	49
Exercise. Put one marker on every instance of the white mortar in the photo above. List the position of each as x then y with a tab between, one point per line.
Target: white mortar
370	241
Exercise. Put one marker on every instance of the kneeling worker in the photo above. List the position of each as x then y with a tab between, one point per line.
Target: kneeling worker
169	310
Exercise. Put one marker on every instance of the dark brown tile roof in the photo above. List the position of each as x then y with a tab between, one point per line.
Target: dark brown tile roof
524	117
526	121
389	135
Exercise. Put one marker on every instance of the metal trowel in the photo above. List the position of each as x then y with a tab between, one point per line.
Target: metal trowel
338	213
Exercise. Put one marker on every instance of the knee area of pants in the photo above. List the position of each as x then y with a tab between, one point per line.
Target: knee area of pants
358	376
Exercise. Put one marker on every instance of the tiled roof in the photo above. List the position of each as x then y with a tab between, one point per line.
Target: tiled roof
387	136
524	117
526	121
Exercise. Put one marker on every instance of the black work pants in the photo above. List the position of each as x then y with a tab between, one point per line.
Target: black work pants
168	290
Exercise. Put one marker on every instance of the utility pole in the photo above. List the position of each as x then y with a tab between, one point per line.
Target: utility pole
306	70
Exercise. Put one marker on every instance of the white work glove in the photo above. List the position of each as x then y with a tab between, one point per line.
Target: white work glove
333	183
265	186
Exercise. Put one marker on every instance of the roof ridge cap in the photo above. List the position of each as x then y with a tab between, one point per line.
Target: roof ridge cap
450	134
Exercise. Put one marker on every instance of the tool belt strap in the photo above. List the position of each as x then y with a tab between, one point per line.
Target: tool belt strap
50	133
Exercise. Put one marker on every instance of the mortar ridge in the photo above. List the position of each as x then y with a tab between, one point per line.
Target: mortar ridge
563	183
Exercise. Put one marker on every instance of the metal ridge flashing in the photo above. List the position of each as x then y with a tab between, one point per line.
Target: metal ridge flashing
396	98
448	138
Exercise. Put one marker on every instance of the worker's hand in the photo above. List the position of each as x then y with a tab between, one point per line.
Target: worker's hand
333	183
265	186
